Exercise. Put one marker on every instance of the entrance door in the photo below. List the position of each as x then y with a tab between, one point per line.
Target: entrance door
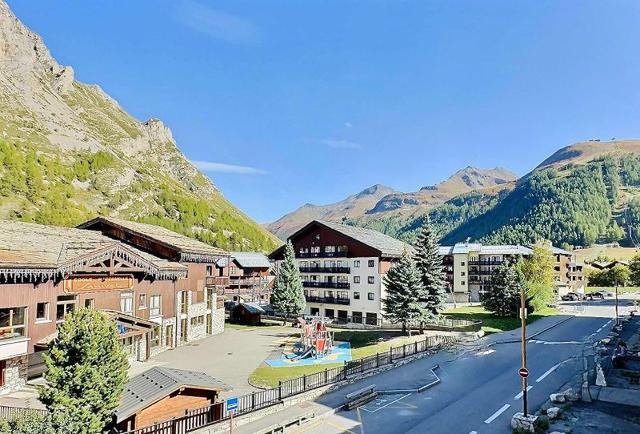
209	327
183	330
168	336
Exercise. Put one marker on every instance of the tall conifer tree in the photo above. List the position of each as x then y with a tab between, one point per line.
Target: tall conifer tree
288	295
429	264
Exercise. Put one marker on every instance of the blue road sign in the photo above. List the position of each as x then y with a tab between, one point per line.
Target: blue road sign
232	404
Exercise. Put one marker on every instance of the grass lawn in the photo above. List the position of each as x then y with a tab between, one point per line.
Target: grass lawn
591	253
492	323
363	343
612	289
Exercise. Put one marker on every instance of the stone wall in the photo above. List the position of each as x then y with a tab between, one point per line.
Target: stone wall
15	375
217	321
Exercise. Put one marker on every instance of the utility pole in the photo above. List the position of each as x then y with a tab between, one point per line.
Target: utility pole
524	373
617	323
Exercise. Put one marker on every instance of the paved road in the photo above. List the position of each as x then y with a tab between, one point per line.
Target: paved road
479	389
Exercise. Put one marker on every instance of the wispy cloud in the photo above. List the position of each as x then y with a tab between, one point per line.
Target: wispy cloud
210	166
218	24
340	144
348	124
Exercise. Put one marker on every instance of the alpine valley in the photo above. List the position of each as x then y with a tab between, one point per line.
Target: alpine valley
583	194
68	152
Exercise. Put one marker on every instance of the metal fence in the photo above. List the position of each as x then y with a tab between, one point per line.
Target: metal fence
258	400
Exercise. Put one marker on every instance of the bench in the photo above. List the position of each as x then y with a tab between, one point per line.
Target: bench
360	397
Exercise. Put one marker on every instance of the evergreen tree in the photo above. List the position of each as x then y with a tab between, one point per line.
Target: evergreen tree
503	299
87	372
288	295
428	262
634	270
404	288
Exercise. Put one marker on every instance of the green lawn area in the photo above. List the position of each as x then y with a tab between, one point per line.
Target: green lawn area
363	343
492	323
612	289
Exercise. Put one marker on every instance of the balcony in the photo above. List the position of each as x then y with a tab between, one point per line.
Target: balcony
217	281
336	270
241	281
485	262
342	254
329	300
13	347
480	272
330	285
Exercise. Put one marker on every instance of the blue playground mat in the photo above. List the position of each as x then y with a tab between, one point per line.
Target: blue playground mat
341	353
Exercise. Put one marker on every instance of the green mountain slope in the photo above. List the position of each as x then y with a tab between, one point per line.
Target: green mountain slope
584	193
68	151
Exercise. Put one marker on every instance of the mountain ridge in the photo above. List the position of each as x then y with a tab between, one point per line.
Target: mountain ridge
67	145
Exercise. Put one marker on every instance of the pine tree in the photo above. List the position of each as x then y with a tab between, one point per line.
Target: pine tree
288	296
429	264
87	372
503	299
404	288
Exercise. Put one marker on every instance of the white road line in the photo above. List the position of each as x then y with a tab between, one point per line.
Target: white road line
551	369
519	395
473	432
497	413
386	405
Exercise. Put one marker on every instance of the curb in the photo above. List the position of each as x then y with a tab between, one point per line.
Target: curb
513	341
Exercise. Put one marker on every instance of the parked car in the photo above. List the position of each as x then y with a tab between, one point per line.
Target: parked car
595	296
572	296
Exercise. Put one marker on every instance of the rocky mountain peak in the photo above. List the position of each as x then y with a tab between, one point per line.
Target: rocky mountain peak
157	131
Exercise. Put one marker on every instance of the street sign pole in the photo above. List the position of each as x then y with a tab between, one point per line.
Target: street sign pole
232	405
523	321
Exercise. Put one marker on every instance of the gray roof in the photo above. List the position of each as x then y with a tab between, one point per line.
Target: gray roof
156	383
559	251
187	247
252	307
388	246
500	249
34	250
251	259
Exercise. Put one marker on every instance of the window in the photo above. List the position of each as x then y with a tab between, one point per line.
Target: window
142	301
356	279
315	311
155	302
356	264
184	301
462	273
197	321
372	263
330	249
372	318
90	303
154	337
65	304
12	322
371	279
463	283
462	263
356	295
370	296
209	270
328	313
303	264
356	317
42	311
126	302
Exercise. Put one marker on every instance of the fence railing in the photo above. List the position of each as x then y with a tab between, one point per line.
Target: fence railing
10	413
251	402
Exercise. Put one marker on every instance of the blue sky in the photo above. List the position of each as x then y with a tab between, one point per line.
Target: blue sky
316	100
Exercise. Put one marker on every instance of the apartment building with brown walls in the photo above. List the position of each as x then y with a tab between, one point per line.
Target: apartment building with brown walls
249	277
343	269
46	272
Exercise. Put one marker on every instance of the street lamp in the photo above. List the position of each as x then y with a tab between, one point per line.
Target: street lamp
524	373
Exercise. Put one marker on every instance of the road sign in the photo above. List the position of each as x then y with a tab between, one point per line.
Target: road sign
524	372
232	404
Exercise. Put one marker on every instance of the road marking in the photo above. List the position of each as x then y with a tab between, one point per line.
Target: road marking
340	427
386	405
473	432
555	343
519	395
551	369
495	415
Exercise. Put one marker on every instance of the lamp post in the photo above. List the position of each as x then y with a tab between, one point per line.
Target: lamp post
617	322
523	322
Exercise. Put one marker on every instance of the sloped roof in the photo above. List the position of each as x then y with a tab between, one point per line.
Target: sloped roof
30	250
144	389
251	259
188	248
386	245
500	249
252	307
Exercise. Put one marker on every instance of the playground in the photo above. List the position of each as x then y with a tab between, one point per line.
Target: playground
315	346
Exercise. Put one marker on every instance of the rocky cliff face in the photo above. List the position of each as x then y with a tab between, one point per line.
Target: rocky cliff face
44	110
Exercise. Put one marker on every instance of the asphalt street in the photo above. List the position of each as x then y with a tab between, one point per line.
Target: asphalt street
480	388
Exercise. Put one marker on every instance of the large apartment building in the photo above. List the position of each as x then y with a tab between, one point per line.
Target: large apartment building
469	268
158	286
342	269
249	277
